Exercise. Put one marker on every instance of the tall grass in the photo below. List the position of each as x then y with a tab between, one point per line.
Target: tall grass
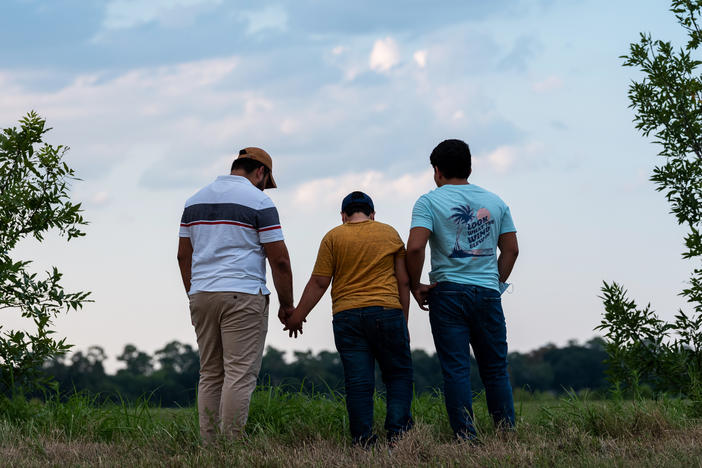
296	429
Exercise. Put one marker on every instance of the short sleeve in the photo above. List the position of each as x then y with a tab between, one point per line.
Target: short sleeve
506	223
184	227
267	223
421	214
324	266
398	245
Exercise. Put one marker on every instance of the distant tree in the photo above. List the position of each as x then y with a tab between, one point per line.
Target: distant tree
530	371
83	371
89	364
137	362
577	367
178	358
34	199
175	380
668	105
322	373
427	371
273	367
136	379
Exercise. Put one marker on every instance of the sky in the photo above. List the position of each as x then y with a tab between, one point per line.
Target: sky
155	98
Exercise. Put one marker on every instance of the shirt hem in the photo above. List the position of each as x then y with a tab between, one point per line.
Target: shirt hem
260	289
494	287
390	305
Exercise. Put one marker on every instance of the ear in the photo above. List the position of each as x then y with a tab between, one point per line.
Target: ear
372	216
344	218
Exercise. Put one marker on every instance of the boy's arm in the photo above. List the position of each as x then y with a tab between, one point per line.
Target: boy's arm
509	250
402	284
416	244
314	290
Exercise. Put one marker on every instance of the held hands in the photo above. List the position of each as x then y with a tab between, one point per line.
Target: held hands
284	313
294	322
421	294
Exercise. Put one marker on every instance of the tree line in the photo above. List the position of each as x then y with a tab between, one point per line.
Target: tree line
169	376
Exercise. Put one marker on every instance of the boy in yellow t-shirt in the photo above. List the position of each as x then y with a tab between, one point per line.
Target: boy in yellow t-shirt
370	306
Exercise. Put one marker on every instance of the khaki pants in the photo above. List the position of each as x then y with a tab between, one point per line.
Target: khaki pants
231	330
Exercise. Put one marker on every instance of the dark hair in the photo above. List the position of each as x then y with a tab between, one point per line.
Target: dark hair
452	158
249	165
352	208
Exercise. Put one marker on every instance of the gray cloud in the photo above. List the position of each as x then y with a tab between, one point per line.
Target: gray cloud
99	33
288	92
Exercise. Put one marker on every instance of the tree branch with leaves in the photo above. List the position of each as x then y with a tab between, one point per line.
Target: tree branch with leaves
34	199
667	105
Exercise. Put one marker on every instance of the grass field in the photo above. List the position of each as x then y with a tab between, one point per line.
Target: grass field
298	430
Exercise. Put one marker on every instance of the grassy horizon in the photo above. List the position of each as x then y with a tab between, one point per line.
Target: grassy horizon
295	429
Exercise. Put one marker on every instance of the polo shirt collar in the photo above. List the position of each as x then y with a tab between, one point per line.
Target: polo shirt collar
233	178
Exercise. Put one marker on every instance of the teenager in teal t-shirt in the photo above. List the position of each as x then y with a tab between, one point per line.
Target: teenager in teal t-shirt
464	225
466	222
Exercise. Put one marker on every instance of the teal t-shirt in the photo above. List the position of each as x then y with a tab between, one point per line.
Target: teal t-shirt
465	222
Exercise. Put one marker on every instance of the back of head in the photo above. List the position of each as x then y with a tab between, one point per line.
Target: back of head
248	165
452	158
357	202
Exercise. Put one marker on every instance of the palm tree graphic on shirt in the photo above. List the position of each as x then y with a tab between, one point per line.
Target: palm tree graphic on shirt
463	216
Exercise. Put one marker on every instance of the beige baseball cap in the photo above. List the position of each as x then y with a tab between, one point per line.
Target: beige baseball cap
257	154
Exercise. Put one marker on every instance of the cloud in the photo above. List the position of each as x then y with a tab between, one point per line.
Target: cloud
120	34
107	119
420	58
270	18
289	126
550	83
332	115
100	198
126	14
505	158
327	193
502	158
311	15
369	17
385	55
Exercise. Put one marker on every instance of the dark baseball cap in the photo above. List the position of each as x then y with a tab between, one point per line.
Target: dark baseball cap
357	197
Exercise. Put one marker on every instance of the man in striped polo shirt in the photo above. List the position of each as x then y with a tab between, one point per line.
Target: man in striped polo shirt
227	231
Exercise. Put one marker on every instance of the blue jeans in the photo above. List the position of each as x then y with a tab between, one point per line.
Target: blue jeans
463	315
363	336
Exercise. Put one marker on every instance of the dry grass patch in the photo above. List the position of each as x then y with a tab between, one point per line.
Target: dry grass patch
421	447
302	430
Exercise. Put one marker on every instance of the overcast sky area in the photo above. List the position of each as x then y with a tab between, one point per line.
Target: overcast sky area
155	97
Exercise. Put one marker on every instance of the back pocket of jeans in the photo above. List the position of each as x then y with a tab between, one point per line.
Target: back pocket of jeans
392	330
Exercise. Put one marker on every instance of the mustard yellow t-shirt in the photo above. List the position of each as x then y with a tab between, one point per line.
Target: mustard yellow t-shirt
360	257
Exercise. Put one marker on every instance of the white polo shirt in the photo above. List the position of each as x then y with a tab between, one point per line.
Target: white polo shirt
227	223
